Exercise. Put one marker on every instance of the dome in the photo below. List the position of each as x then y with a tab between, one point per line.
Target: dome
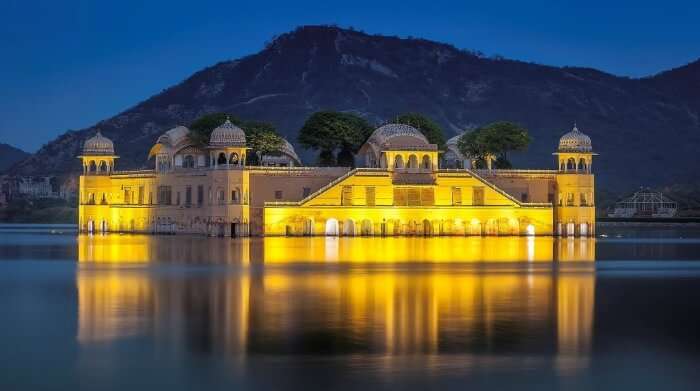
98	145
454	140
175	137
288	149
171	141
398	135
227	135
575	141
453	146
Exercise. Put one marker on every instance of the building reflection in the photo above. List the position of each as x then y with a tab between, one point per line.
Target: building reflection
445	295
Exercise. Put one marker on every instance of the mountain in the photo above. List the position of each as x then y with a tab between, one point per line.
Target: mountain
647	130
10	155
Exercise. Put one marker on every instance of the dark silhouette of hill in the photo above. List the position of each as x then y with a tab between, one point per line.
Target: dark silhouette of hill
647	130
10	155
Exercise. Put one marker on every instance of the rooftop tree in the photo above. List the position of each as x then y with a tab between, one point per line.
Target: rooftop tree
494	140
331	131
430	129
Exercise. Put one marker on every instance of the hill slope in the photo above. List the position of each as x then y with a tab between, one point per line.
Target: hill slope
646	130
10	155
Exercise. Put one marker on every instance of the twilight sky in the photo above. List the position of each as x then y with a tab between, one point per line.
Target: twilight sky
68	64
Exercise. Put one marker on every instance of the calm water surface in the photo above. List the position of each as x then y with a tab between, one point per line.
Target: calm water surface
140	312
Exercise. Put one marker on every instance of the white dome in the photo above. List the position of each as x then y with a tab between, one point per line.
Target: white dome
175	137
398	135
288	149
575	141
454	140
98	145
227	135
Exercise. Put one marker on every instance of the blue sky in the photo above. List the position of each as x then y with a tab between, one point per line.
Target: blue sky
68	64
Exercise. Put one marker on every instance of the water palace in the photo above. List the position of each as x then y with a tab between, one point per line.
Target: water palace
405	187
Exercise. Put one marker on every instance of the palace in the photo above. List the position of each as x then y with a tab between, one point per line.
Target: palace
406	186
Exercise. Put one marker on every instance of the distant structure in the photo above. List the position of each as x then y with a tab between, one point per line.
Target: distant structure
645	203
403	188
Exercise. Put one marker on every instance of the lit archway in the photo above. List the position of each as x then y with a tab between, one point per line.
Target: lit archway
309	227
348	228
398	161
425	164
366	228
530	230
427	228
332	227
413	161
583	229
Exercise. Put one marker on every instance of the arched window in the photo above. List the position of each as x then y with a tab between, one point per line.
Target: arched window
103	166
398	162
382	161
222	159
426	162
582	165
188	162
233	159
412	161
562	167
571	164
92	167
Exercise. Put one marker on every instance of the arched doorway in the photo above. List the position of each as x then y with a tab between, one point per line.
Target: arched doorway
332	227
427	228
366	228
475	227
583	229
530	230
349	228
222	159
309	227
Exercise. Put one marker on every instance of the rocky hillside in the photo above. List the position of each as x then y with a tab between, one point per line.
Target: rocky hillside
647	131
10	155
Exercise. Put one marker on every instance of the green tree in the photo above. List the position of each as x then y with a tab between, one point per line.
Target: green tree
431	130
261	137
495	140
330	131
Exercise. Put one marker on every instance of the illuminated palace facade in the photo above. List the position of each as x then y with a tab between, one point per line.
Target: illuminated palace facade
405	186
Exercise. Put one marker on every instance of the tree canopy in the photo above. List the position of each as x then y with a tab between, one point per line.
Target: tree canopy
494	140
331	131
261	137
430	129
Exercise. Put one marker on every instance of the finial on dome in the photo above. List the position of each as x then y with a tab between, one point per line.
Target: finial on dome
575	127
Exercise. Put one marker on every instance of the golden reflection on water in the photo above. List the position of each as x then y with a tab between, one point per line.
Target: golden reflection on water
454	308
122	249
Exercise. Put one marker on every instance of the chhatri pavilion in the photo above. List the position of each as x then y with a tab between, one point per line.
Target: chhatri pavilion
404	186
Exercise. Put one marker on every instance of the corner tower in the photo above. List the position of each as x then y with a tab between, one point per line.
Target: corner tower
98	155
575	206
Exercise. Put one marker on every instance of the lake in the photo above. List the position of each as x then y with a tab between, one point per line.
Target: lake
133	312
